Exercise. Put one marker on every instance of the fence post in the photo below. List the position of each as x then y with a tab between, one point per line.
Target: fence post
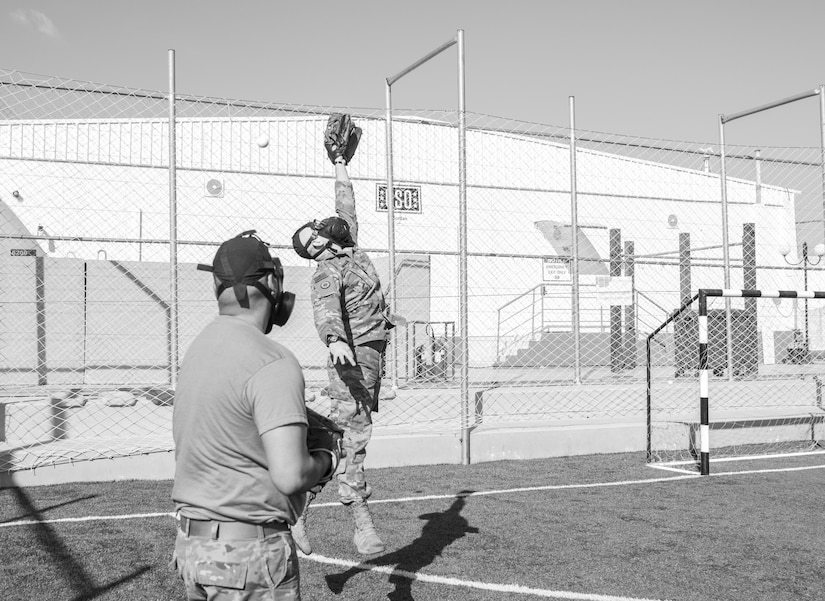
173	232
40	319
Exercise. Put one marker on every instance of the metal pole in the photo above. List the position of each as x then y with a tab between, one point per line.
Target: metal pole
725	245
574	260
173	232
757	158
463	296
465	390
805	288
140	236
421	61
390	197
822	147
770	105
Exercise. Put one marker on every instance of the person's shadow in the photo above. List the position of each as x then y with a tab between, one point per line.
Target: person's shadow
441	530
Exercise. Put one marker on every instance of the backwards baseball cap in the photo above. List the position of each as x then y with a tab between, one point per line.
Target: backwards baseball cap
334	229
242	261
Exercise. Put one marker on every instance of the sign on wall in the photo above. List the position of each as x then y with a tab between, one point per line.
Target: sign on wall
407	198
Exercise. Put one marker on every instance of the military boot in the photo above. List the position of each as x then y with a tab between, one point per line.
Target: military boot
366	538
299	529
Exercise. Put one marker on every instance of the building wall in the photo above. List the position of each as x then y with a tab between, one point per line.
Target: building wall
102	188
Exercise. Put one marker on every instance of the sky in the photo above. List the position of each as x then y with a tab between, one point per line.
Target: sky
656	69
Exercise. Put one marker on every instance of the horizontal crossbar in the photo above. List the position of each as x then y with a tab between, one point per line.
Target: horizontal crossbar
734	293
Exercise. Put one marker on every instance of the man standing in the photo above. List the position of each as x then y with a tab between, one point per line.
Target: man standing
240	428
352	321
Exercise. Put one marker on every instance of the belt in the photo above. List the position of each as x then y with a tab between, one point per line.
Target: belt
229	530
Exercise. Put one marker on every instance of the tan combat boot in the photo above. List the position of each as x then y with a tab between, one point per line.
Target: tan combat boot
299	529
366	538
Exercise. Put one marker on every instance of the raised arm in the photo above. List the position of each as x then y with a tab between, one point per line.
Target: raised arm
345	198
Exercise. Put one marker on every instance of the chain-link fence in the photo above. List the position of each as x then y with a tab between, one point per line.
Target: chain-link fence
101	235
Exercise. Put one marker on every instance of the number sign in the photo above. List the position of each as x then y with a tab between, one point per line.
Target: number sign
407	198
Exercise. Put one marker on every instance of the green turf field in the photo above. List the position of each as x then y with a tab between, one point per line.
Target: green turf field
599	527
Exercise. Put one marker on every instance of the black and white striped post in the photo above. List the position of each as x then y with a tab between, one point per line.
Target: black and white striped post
704	421
704	398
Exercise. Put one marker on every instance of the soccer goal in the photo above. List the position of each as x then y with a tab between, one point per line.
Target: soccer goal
736	374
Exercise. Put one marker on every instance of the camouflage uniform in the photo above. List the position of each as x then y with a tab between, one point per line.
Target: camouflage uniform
348	303
216	569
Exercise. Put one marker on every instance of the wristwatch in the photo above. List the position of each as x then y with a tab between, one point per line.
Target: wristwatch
332	338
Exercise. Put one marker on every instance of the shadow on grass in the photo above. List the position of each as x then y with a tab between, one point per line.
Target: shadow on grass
49	508
63	562
440	530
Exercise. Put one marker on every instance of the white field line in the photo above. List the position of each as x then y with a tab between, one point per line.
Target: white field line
761	471
486	586
672	465
671	468
741	458
93	518
89	518
505	491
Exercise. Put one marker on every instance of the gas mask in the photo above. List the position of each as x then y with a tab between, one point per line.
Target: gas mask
334	229
243	261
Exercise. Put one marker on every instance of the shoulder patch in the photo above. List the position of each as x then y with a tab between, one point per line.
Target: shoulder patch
324	285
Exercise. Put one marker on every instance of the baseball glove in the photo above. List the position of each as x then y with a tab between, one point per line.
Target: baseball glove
341	137
324	435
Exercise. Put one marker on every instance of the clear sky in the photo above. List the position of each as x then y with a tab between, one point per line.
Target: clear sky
652	68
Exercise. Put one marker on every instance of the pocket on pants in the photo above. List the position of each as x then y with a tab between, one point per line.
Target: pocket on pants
281	564
226	575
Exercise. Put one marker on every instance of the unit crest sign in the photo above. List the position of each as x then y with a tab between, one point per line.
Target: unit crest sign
407	198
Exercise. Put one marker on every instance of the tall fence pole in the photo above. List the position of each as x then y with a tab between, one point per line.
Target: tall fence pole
462	202
463	294
390	197
822	148
574	260
173	232
725	246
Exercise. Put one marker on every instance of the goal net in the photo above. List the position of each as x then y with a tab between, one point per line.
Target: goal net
736	374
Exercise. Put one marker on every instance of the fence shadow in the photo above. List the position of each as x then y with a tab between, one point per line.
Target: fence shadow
63	563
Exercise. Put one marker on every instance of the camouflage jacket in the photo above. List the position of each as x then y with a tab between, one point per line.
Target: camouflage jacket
347	298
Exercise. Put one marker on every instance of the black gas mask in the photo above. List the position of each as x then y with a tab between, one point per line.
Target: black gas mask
334	229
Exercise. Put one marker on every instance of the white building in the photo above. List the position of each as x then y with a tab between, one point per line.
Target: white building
101	190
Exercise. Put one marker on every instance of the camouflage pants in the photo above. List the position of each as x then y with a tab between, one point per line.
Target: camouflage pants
264	569
353	392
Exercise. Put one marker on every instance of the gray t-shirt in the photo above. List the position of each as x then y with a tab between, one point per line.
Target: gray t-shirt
234	384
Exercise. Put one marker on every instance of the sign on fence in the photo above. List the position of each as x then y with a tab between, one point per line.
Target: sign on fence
407	198
614	290
556	269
